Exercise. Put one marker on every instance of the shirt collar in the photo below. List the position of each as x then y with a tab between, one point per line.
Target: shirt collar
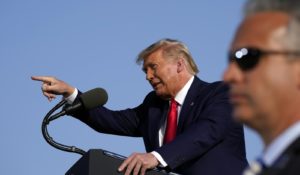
276	148
180	96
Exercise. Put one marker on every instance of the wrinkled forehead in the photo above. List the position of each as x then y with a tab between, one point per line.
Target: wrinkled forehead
265	30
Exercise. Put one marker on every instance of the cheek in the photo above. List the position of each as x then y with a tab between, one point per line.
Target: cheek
255	98
259	90
165	75
267	87
250	111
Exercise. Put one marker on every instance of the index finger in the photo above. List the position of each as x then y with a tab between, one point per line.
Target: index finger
42	78
124	164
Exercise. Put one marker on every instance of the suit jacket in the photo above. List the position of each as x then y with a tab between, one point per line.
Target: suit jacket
288	163
208	141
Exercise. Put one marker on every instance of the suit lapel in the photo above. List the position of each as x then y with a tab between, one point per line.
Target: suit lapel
157	117
189	102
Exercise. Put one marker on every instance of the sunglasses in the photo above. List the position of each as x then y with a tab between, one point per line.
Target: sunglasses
248	58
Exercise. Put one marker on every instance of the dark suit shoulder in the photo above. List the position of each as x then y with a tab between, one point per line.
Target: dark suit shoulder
217	85
208	90
152	98
151	102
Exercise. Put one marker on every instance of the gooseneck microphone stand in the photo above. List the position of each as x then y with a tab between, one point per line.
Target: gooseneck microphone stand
93	162
47	119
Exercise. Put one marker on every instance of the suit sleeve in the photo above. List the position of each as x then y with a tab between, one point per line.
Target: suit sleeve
122	122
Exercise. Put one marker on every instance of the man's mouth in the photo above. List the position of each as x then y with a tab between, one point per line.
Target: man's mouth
155	84
237	98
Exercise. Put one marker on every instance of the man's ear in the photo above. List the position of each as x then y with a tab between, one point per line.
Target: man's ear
180	64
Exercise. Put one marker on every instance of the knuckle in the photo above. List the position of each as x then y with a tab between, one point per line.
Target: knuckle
128	170
136	171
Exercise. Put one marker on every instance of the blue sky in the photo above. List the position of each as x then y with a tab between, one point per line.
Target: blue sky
94	44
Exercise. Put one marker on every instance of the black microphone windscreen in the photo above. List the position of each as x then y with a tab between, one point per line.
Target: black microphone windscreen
93	98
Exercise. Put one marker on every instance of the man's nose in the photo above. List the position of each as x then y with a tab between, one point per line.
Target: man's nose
232	73
149	75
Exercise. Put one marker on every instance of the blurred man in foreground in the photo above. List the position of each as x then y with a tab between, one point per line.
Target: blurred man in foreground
264	78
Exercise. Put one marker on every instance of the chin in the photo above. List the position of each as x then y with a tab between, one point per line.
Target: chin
162	95
244	116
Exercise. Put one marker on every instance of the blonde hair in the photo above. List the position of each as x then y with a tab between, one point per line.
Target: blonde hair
171	49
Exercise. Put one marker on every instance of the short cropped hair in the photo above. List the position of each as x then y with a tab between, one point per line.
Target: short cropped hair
290	7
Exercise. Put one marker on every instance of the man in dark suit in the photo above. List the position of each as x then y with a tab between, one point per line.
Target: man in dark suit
203	140
264	79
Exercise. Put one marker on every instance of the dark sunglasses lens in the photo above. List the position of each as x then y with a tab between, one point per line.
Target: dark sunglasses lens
246	58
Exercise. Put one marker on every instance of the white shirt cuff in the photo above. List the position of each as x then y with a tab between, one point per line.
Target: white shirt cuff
72	97
159	158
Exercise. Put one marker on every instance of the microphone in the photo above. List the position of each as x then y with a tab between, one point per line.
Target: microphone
88	100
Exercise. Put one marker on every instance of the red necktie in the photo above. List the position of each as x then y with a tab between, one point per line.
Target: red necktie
170	132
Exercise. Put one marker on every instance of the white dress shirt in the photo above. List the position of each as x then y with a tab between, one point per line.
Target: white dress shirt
281	143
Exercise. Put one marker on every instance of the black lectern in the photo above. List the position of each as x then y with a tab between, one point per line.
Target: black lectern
101	162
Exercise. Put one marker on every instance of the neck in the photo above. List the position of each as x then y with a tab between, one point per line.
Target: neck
269	134
181	83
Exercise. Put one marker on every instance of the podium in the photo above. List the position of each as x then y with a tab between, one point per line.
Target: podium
101	162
